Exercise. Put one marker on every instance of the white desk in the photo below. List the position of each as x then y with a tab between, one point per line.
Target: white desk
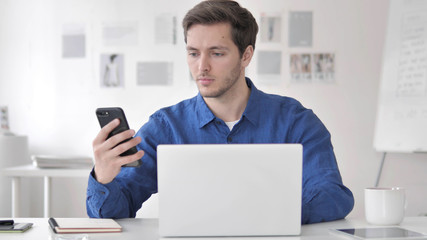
147	229
31	171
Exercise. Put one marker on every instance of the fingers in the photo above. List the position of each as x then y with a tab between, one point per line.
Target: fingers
113	141
101	142
103	134
130	158
123	147
115	145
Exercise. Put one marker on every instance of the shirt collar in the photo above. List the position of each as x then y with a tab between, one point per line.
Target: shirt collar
205	115
252	108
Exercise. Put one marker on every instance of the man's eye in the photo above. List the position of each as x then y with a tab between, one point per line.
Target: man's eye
192	54
218	54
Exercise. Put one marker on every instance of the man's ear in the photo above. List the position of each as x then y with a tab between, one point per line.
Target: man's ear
247	55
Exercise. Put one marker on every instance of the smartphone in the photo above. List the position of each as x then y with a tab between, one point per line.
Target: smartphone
16	227
106	115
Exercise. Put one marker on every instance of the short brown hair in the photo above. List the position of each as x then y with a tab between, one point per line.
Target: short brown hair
243	25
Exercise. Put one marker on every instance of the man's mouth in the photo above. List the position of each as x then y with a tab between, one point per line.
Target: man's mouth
205	80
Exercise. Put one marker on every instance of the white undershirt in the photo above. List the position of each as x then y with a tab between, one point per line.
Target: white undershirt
231	124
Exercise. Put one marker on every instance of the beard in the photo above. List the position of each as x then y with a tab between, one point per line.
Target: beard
222	85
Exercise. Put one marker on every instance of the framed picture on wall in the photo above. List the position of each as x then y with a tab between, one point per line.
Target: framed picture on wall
4	119
112	70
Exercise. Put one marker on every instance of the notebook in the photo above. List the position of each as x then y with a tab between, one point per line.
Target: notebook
84	225
229	189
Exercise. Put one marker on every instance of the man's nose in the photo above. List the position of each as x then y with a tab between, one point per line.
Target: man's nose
204	65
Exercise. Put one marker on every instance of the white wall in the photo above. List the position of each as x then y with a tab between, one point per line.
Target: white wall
52	100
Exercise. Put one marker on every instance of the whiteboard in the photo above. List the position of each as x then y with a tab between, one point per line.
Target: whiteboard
401	124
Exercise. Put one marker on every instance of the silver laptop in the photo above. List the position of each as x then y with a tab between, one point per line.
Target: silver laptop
229	189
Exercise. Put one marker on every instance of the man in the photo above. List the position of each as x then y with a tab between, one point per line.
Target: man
220	38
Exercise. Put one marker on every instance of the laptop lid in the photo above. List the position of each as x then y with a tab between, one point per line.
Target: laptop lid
229	189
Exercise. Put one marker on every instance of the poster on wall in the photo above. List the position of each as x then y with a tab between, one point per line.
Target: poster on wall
165	29
120	33
312	68
73	41
154	73
270	28
324	67
300	29
269	66
300	68
112	70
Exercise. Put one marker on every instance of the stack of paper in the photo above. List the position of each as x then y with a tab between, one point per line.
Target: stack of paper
44	161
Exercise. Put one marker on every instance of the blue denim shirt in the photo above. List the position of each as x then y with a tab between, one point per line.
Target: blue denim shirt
267	119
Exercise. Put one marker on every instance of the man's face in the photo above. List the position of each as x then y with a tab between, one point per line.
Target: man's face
213	59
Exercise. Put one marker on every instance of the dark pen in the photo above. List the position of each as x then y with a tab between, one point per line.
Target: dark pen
6	222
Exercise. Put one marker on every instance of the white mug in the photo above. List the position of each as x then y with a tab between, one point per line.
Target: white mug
385	206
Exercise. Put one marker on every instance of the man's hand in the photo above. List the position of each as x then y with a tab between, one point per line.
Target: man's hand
107	160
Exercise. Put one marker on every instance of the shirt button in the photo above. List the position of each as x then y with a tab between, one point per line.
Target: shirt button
229	139
218	122
102	192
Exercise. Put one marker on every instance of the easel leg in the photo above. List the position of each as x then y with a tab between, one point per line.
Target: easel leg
380	170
